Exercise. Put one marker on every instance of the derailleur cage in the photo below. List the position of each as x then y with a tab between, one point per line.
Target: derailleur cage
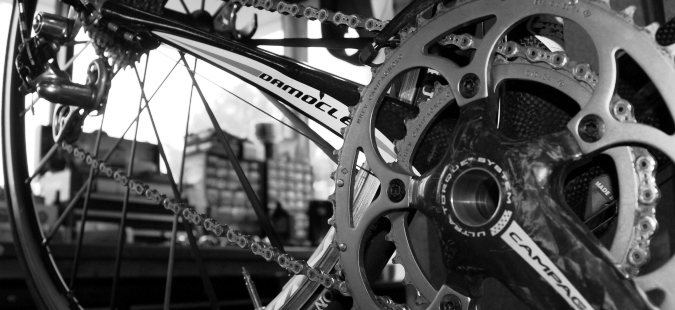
40	72
225	22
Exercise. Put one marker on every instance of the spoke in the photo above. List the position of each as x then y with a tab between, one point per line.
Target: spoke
23	23
300	127
174	228
304	130
355	43
188	228
70	62
79	194
257	207
185	7
76	43
43	162
598	213
172	255
85	208
309	134
29	108
127	190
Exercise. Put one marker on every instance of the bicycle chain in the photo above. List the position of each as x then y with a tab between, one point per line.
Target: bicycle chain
266	251
648	196
311	13
557	60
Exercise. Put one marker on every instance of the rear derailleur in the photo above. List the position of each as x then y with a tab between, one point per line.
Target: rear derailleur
40	73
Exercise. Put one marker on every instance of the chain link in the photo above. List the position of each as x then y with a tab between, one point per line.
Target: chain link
389	304
557	60
353	21
258	248
648	196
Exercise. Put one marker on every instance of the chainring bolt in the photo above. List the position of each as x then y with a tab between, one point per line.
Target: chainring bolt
469	85
396	191
591	128
340	183
451	302
342	247
622	110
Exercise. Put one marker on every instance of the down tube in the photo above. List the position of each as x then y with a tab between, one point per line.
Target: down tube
312	102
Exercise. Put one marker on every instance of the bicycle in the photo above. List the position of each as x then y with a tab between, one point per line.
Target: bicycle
459	100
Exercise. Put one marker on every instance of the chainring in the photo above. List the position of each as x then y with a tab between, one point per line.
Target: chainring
425	32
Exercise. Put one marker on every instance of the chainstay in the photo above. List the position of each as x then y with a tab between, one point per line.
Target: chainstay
326	16
268	252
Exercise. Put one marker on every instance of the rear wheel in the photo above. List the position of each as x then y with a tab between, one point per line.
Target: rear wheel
59	285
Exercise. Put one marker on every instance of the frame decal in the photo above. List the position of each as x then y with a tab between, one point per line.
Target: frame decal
326	110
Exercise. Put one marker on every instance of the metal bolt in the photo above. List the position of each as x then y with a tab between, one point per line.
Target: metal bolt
591	128
340	183
451	302
396	190
342	247
469	85
622	110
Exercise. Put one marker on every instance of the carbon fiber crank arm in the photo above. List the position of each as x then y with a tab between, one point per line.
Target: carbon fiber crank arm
497	216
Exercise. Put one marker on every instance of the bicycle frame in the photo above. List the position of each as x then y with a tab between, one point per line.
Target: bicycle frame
320	96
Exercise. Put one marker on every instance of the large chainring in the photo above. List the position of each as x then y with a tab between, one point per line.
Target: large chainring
629	247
